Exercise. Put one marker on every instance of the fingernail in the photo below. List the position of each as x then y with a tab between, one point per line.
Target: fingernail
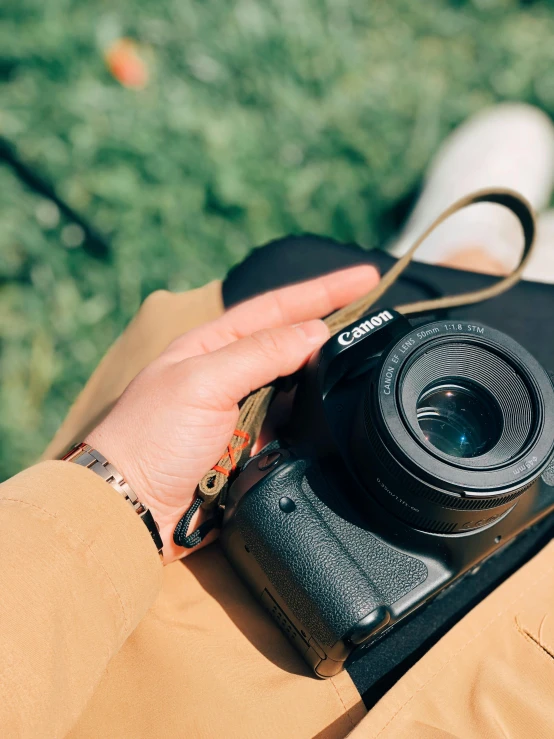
315	332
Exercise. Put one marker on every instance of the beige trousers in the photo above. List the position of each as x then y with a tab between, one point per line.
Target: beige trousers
206	662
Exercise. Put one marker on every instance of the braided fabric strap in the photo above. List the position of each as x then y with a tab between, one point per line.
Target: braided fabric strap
213	486
252	414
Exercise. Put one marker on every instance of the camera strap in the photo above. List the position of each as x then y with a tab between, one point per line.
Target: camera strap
213	487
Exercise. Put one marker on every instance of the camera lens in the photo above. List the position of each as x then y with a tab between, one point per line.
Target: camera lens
459	418
456	423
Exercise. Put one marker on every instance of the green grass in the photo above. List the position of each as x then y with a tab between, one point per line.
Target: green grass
261	118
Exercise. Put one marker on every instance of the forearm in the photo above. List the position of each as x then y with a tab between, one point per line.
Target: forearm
79	571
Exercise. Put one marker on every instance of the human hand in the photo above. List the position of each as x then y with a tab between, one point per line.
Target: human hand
175	419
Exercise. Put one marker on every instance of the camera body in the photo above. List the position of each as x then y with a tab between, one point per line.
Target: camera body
412	455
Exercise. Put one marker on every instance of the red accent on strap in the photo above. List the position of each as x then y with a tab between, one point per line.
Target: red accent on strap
231	452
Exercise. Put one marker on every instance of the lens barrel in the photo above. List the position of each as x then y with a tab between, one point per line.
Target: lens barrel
455	424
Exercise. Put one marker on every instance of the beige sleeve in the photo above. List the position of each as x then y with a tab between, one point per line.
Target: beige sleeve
79	571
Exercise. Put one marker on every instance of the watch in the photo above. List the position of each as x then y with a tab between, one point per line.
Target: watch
84	455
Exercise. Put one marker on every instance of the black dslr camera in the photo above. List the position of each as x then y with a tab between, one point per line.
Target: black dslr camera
413	453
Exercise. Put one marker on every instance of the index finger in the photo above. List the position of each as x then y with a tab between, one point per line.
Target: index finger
289	305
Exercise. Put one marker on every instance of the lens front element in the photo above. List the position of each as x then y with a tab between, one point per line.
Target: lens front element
459	418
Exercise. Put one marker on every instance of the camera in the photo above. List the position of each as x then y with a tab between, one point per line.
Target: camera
413	453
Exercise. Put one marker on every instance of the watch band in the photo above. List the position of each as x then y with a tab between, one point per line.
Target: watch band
85	456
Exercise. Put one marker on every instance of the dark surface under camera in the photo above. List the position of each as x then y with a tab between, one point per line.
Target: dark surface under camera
525	313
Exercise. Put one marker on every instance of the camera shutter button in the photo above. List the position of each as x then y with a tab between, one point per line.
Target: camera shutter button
269	460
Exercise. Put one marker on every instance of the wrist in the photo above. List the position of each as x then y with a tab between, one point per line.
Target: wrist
113	445
117	451
148	468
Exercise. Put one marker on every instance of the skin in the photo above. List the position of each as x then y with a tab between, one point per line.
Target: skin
175	419
475	259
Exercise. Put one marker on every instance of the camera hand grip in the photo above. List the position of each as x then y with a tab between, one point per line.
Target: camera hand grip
323	585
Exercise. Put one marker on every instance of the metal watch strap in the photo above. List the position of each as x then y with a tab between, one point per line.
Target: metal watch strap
85	456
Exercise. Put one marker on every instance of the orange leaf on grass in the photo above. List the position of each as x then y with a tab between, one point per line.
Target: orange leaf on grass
125	63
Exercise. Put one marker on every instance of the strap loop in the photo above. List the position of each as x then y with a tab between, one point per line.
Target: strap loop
182	538
507	198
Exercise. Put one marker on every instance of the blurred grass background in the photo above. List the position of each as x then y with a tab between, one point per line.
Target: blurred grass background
260	118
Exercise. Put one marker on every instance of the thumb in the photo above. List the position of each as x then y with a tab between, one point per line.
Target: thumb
229	374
